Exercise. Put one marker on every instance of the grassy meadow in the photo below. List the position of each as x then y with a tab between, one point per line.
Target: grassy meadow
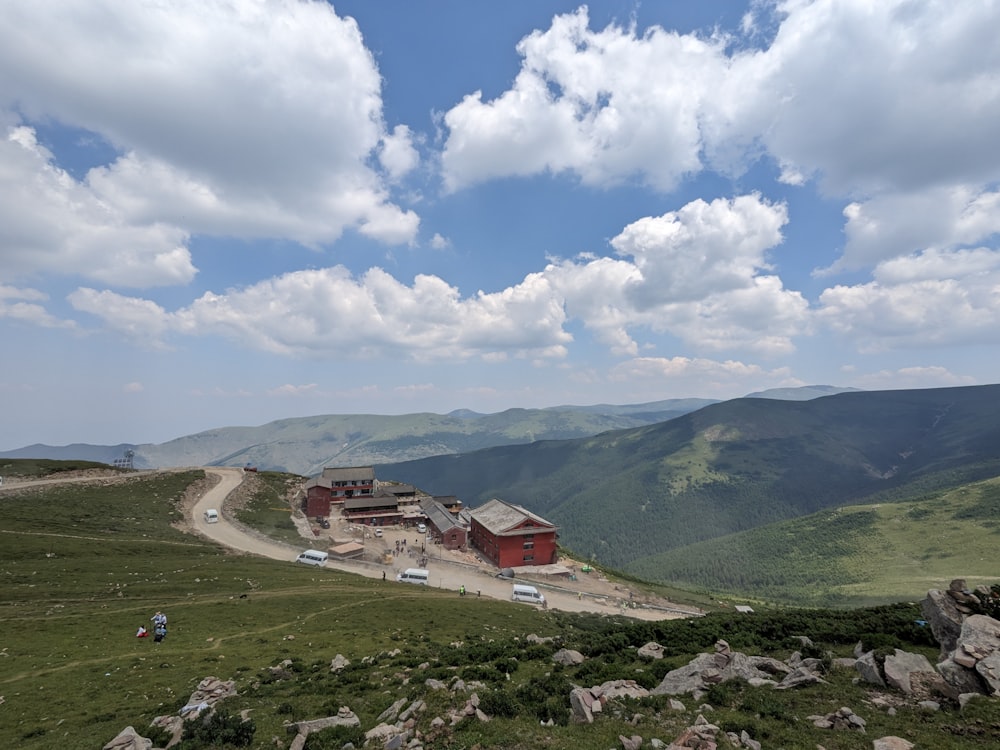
854	556
82	565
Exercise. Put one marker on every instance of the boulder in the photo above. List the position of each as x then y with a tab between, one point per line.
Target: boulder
651	650
869	670
900	666
944	618
989	670
973	665
129	739
339	662
580	701
567	657
891	743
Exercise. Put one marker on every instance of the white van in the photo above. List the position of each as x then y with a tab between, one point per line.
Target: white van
414	575
524	593
211	515
312	557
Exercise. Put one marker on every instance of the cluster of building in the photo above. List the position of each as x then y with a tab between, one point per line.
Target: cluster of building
507	535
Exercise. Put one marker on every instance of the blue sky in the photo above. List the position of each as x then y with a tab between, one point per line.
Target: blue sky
225	213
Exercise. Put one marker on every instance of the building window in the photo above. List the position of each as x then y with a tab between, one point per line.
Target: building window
529	545
528	558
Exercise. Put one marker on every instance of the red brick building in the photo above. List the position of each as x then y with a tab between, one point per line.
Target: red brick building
335	485
510	536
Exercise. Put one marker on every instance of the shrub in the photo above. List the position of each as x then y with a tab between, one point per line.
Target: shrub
499	703
220	729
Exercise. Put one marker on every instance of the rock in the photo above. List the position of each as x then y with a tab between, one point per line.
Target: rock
944	618
797	678
435	684
129	739
705	671
930	706
651	650
868	669
746	741
676	705
344	718
961	679
338	663
568	657
210	691
630	743
973	665
381	733
390	714
841	719
172	724
414	708
891	743
900	666
580	701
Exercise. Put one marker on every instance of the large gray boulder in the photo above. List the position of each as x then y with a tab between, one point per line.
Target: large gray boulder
945	619
901	666
868	669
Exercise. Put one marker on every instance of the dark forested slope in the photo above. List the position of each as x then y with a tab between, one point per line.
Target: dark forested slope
731	466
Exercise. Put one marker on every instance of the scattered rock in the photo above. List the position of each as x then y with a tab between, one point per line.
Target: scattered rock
339	663
842	718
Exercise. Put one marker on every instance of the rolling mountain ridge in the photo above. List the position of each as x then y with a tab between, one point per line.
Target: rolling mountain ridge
305	445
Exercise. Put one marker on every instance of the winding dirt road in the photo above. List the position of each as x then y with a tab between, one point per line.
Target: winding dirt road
443	574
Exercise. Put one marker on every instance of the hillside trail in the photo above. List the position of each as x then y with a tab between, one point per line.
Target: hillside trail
589	594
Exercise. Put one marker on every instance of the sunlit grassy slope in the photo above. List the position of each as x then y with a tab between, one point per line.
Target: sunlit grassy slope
855	555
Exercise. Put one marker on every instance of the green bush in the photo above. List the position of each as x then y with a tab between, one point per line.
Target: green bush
220	730
499	703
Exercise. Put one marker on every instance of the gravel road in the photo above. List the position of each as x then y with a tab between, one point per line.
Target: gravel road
444	575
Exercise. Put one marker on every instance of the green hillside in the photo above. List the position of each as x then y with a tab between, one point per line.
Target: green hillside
628	495
852	556
78	577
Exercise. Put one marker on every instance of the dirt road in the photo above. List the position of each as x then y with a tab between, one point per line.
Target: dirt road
444	575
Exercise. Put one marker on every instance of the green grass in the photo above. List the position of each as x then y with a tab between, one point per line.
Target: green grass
853	556
268	510
77	579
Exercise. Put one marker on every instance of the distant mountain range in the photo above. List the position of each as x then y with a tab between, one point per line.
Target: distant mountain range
305	445
626	496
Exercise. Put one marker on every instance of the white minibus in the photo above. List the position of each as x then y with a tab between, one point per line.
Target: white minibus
312	557
413	575
524	593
